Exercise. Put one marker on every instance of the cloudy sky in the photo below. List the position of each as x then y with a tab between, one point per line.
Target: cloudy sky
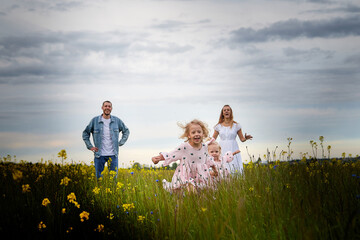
288	68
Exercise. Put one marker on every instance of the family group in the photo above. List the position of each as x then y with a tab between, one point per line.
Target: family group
201	163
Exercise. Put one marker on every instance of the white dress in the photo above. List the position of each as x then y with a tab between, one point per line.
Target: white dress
228	143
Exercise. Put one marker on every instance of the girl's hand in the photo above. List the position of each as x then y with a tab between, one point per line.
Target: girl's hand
157	159
215	171
236	152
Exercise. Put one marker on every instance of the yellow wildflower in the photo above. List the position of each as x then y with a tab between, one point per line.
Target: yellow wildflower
203	209
84	216
111	216
108	190
71	197
45	202
26	188
69	229
41	226
63	210
100	228
119	185
112	173
251	189
65	181
128	206
38	178
96	190
17	175
141	218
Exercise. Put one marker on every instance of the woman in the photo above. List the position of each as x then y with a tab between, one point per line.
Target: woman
228	129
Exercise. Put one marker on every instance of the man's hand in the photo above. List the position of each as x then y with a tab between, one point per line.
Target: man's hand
94	149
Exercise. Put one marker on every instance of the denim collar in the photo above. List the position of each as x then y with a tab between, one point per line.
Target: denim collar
111	118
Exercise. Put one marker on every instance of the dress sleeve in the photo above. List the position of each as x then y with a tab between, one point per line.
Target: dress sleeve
217	127
173	155
237	127
228	157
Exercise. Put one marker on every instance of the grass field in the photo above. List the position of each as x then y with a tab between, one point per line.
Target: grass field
308	199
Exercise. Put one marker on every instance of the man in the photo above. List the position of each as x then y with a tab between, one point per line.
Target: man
105	130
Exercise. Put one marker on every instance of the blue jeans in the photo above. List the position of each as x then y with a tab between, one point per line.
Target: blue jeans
100	163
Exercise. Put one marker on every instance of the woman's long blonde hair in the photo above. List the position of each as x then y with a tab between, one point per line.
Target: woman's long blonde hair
222	118
186	129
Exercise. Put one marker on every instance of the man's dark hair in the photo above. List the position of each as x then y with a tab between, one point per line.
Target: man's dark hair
107	101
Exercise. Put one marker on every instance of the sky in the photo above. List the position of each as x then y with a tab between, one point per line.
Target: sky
288	68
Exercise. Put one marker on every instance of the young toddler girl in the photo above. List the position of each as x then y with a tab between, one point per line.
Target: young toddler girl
220	162
193	170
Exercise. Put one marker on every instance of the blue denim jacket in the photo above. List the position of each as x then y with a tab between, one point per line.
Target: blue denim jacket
96	128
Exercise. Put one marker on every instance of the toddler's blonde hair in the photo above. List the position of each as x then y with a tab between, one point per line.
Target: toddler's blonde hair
215	143
186	129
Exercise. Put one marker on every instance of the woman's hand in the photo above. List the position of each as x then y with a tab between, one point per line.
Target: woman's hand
247	137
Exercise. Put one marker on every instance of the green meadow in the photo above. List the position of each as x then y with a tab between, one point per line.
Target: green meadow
304	199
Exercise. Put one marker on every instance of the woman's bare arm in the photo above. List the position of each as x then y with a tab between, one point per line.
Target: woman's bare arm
216	134
242	137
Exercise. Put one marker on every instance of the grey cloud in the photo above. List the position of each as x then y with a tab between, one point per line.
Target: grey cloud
14	6
42	57
294	28
64	6
347	8
172	25
169	25
204	21
307	54
351	8
171	48
12	45
79	41
319	1
354	59
57	5
49	57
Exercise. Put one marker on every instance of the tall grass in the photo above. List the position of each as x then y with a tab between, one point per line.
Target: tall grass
280	200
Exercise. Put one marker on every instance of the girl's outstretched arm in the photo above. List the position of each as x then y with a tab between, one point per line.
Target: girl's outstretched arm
157	159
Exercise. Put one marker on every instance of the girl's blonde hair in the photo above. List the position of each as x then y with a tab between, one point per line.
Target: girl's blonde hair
222	118
186	129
